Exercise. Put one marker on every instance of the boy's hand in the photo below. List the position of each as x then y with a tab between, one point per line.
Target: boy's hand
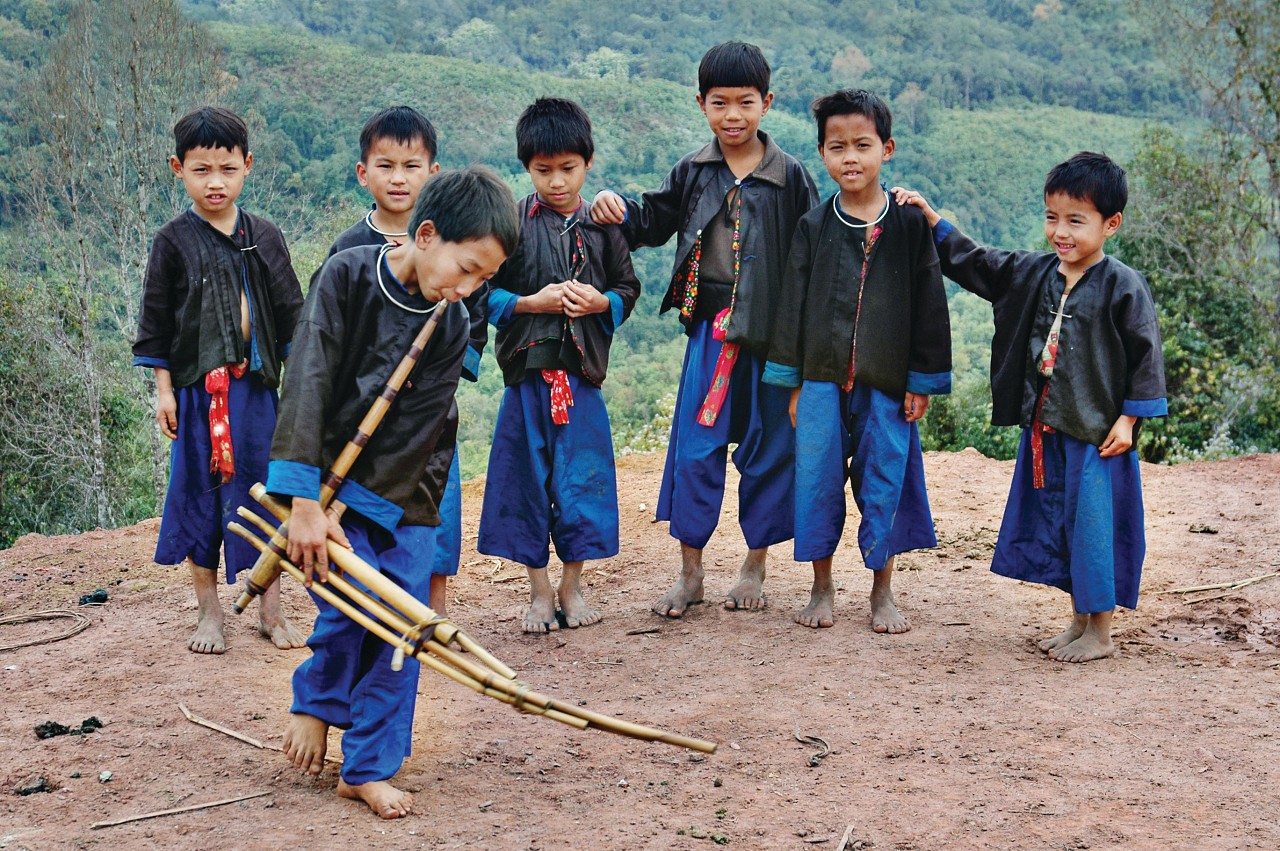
608	208
309	528
579	299
549	299
914	406
910	196
793	404
167	414
1119	439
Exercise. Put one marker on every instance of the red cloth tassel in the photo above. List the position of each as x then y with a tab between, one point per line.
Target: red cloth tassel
724	368
218	385
1038	431
561	394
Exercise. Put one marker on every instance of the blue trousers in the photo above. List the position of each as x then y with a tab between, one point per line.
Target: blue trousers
549	482
861	436
448	548
1082	532
197	506
348	682
754	416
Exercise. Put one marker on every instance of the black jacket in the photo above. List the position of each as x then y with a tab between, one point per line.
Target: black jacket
543	257
903	327
350	339
189	319
774	197
1109	354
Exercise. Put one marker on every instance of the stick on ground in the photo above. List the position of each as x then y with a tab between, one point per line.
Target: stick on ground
157	814
248	740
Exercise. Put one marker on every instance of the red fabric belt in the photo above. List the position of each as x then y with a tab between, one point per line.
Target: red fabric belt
1038	431
561	394
724	368
218	385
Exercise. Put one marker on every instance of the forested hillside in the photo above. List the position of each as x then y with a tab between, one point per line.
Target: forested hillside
986	97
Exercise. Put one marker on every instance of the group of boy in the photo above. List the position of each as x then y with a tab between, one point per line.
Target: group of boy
817	333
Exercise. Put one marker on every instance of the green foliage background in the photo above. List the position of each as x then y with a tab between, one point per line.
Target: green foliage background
987	96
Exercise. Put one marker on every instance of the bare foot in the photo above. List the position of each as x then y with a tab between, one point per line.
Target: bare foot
383	798
748	594
306	740
1086	648
573	607
209	636
885	616
541	617
1068	635
820	612
688	588
273	625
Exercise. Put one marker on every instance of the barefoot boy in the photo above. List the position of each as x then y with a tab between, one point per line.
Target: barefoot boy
556	304
863	338
397	155
734	205
219	303
361	315
1076	361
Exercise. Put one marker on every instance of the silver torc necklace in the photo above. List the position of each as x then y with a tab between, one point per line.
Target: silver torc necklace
382	254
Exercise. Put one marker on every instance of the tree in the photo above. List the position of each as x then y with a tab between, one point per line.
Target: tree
98	115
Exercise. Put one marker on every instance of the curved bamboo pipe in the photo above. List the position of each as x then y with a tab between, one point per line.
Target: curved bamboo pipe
266	569
388	626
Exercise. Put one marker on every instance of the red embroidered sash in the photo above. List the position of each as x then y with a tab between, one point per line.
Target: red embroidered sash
724	368
561	394
857	314
218	385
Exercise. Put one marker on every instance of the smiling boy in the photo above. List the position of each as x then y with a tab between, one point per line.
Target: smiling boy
361	315
556	304
863	339
734	205
1076	361
219	303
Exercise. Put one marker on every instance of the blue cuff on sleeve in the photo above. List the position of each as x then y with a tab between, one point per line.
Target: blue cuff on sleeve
942	230
1145	408
614	316
929	383
502	306
781	376
293	478
381	511
153	363
471	365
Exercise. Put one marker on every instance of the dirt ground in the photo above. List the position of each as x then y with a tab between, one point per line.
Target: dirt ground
958	734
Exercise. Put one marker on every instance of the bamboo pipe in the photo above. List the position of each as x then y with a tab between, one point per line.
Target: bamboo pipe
266	569
506	689
391	594
352	611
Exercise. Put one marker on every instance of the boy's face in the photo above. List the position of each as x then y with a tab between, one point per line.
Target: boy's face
1076	230
213	177
734	113
453	270
394	173
558	179
853	153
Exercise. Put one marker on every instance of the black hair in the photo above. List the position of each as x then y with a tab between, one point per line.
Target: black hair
469	203
403	124
732	65
1090	177
210	127
853	102
552	126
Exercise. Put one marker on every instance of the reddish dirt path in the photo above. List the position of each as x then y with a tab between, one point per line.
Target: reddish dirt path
958	734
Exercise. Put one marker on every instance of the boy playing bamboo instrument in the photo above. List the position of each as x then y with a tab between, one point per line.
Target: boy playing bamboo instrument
361	315
397	156
219	303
